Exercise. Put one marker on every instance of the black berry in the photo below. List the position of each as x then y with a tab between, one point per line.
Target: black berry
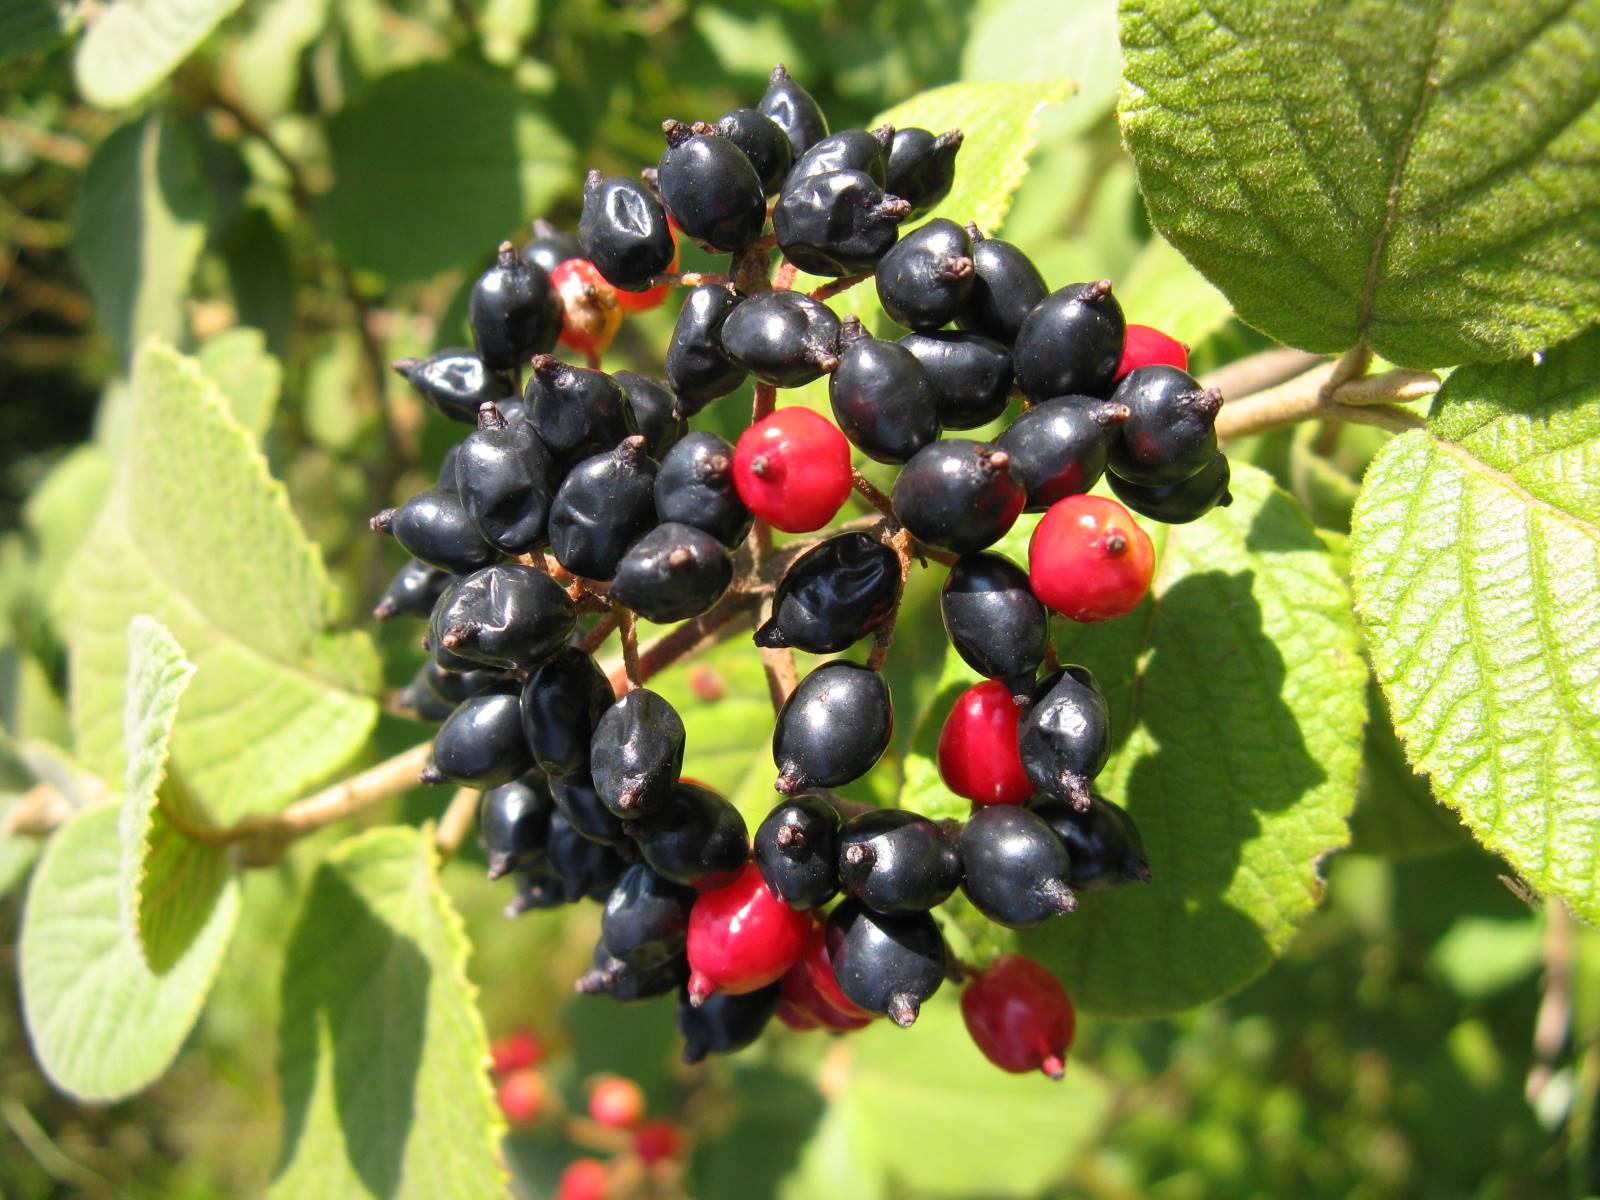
783	338
969	375
481	744
412	591
763	141
922	167
958	494
433	527
833	595
655	411
513	311
1065	737
925	279
847	150
1059	447
710	187
1071	343
886	964
672	573
836	223
575	411
587	869
833	728
507	616
503	476
562	701
721	1024
993	619
694	486
881	398
897	861
1178	503
698	369
624	231
456	382
601	508
697	839
622	981
550	247
1006	287
1016	867
796	849
646	919
792	109
513	822
455	686
1102	841
636	753
1170	433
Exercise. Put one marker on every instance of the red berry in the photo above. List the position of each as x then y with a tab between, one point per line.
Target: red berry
811	987
516	1050
657	1140
792	1014
521	1095
978	755
653	297
742	937
591	312
1020	1016
792	469
615	1102
583	1179
1089	560
1147	346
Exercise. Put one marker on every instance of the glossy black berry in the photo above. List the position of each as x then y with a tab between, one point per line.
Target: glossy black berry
445	480
513	311
562	702
481	744
513	822
958	494
697	838
763	141
711	189
507	616
836	223
646	918
1065	736
786	339
847	150
1170	433
587	869
417	700
993	619
433	527
721	1024
503	474
1071	343
1006	287
1016	867
577	799
969	375
456	382
672	573
655	411
886	964
575	411
1059	447
550	247
412	591
602	507
1102	841
538	887
792	109
796	850
623	981
897	861
624	231
880	397
455	686
694	486
698	369
636	753
1178	503
833	595
833	728
922	167
925	279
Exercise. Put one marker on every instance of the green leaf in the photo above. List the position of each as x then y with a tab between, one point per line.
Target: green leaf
505	27
1046	40
133	45
28	26
17	853
1480	956
261	276
1415	175
197	535
62	510
249	377
1477	573
472	157
1396	815
381	1049
170	883
101	1023
1163	290
265	60
141	224
1236	703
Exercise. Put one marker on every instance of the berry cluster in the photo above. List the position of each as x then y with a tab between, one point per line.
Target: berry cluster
583	500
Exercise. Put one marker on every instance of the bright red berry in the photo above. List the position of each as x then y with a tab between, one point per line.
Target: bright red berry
1089	560
653	297
812	987
521	1094
978	755
742	937
515	1050
591	312
1147	346
615	1102
657	1140
583	1179
792	469
1020	1016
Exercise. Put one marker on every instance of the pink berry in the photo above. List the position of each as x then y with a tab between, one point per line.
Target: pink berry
978	755
615	1102
515	1050
1020	1016
1089	560
1147	346
742	937
792	469
583	1179
521	1094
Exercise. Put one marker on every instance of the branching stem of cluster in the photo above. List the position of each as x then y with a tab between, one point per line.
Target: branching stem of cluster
1335	391
873	495
459	816
628	626
829	290
884	637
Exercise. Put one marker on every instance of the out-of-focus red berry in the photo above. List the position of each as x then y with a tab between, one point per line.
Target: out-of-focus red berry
583	1179
616	1102
521	1094
515	1050
657	1140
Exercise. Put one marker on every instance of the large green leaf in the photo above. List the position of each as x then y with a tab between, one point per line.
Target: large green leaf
1415	174
135	44
1237	704
197	535
1477	572
170	883
101	1023
381	1048
141	224
238	362
472	158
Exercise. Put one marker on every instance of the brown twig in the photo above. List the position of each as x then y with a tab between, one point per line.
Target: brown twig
873	495
627	624
1329	392
458	818
829	290
1260	371
883	637
596	637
